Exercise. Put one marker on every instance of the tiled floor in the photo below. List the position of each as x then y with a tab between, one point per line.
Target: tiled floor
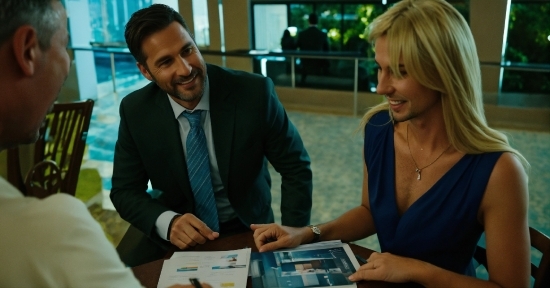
335	151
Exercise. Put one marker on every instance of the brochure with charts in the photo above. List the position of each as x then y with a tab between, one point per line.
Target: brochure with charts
320	264
220	269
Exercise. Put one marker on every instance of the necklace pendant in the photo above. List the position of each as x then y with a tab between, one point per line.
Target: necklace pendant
418	171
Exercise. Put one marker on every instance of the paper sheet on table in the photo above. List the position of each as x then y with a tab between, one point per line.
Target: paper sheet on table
220	269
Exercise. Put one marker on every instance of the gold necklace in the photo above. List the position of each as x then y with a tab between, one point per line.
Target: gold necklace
418	170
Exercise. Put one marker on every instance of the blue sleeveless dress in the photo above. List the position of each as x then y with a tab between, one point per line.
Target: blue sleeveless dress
441	227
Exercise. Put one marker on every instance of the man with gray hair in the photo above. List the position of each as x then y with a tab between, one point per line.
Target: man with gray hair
52	242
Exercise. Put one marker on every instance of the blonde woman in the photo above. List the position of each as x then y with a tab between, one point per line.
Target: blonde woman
435	175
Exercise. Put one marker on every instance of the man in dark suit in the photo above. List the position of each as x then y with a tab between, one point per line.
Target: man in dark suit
244	124
312	39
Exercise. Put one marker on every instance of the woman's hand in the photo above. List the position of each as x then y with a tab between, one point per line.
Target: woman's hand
274	236
389	268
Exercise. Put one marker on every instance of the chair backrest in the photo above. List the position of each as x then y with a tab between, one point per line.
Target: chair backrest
43	180
62	140
540	273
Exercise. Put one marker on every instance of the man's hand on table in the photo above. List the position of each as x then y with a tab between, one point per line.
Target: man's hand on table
188	231
274	236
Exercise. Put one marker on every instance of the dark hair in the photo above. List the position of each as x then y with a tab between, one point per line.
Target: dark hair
286	33
147	21
40	14
312	19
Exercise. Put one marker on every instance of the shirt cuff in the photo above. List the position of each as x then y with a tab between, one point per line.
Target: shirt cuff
163	222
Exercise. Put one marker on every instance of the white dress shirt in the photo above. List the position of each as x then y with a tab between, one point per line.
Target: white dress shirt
55	242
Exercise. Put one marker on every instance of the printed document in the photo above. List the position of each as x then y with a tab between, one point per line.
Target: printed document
321	264
220	269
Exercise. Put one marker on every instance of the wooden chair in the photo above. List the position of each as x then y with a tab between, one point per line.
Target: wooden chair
62	140
539	241
43	180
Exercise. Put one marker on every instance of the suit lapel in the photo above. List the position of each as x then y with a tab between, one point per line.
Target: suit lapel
170	135
222	117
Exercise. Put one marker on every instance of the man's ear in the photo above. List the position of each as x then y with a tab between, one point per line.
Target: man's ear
26	49
144	71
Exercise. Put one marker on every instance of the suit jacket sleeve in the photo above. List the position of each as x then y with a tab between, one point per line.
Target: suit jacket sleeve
286	152
130	172
325	42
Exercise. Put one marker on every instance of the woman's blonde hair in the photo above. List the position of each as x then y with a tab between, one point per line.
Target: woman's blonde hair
438	50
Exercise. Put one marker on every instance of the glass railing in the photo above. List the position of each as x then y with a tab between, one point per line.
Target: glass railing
345	71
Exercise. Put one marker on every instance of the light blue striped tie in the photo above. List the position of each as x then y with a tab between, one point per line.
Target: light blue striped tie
198	166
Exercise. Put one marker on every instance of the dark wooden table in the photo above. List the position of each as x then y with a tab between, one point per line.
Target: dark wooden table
148	274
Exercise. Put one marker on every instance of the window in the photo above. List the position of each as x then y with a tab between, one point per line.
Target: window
528	46
344	23
108	18
269	22
200	19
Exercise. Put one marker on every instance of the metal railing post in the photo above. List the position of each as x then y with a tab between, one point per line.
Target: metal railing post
113	73
355	86
292	72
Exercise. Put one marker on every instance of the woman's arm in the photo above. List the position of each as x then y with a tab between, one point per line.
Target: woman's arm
503	212
355	224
